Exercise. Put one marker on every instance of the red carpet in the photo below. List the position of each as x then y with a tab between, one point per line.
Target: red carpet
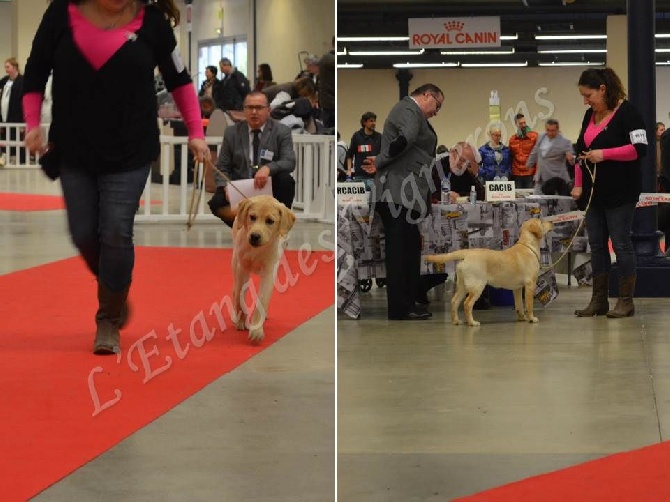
635	476
34	202
30	202
48	427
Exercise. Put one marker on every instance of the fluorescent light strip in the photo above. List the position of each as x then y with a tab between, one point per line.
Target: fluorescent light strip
570	37
573	63
342	53
510	37
372	39
492	65
425	65
350	65
572	51
478	53
662	50
387	53
662	35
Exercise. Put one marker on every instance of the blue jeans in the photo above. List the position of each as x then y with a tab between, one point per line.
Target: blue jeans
615	223
101	212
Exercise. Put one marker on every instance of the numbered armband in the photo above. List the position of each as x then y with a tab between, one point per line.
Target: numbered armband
638	137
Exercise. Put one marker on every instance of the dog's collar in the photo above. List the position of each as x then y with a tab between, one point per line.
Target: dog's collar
534	252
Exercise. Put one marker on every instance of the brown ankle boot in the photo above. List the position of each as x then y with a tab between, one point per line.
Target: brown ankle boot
598	304
624	306
111	315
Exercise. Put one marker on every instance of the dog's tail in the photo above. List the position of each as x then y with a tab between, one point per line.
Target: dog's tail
443	258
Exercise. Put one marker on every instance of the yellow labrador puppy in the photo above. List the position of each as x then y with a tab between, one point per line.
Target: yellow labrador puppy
514	268
260	233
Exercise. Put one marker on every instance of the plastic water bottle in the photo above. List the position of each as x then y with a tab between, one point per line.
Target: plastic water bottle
445	190
473	195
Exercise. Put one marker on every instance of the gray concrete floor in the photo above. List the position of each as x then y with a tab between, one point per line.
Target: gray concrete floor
431	411
263	432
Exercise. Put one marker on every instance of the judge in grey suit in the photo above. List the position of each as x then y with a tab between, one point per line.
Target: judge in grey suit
401	193
550	153
274	156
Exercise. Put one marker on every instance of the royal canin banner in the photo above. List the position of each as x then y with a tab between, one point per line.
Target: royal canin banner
454	32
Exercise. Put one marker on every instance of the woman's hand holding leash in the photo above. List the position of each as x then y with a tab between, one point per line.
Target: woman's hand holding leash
198	147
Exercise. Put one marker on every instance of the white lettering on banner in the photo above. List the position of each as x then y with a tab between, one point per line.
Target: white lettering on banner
500	191
352	193
638	136
456	32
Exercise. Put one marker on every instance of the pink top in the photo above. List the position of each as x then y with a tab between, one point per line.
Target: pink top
98	46
620	153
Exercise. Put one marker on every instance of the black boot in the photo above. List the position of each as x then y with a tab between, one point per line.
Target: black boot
111	315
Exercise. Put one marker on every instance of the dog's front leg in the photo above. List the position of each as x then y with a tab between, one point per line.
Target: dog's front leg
256	333
530	297
241	278
518	305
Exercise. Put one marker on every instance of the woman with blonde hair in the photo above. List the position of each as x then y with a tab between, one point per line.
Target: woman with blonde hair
496	157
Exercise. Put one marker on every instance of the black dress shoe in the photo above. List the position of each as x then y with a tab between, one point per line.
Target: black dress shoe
414	315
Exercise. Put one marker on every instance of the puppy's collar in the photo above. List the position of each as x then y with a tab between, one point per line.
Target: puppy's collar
534	252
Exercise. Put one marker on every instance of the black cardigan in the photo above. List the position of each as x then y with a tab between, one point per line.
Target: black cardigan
104	120
617	182
15	110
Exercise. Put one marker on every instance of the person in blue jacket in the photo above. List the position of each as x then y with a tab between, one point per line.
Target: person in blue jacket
496	158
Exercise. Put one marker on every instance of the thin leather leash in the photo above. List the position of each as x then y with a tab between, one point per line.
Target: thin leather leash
592	174
198	186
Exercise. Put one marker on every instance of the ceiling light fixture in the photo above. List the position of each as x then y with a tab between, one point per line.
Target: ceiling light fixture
424	65
493	65
570	37
387	53
351	66
503	52
573	63
343	52
372	39
572	51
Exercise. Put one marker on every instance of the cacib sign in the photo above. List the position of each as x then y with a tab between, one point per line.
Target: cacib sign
454	32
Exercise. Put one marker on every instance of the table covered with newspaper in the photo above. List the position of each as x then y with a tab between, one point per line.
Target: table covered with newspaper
360	238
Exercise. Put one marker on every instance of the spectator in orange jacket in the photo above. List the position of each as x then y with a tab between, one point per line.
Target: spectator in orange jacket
521	144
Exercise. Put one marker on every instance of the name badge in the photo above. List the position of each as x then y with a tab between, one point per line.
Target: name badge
267	154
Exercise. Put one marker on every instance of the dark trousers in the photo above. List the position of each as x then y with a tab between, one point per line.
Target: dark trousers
101	212
614	223
403	255
523	181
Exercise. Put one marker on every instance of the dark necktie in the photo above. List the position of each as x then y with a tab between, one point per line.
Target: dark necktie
255	145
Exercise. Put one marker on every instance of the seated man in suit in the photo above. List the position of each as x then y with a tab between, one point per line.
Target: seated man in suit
256	148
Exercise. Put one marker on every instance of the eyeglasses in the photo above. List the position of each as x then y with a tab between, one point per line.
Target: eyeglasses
437	101
255	108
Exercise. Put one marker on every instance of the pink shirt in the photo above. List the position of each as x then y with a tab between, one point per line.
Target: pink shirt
98	46
620	153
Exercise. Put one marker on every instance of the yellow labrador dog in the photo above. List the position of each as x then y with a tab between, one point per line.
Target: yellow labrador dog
514	268
260	233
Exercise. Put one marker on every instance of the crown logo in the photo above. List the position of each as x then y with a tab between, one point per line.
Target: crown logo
454	25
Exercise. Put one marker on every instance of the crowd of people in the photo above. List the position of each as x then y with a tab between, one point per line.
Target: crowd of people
544	162
307	102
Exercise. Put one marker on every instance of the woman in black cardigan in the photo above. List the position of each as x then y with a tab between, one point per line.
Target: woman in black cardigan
613	138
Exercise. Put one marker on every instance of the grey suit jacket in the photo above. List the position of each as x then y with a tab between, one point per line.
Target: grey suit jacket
406	178
551	164
234	156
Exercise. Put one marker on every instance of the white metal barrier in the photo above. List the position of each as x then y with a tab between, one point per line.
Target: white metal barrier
164	201
15	154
